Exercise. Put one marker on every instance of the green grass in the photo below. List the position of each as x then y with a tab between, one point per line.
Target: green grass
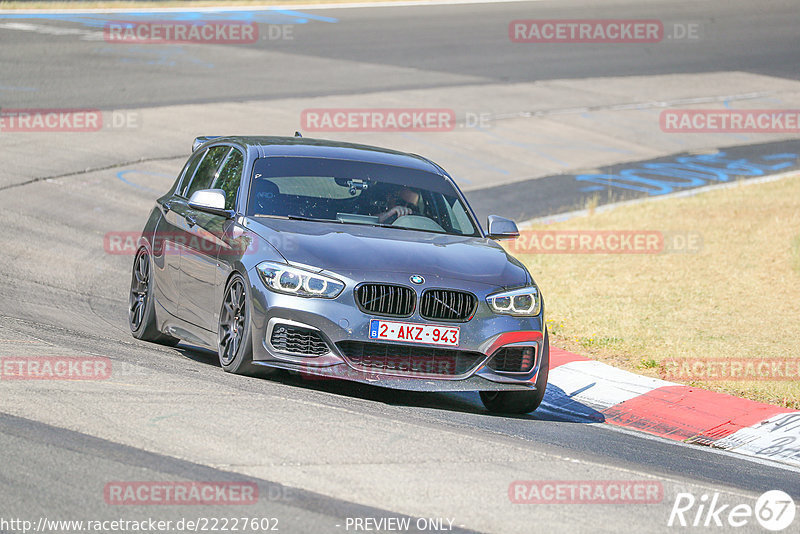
736	296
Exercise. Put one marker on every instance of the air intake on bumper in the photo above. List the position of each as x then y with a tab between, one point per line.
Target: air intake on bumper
408	359
513	360
298	340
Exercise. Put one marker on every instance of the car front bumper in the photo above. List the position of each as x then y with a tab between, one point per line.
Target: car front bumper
340	320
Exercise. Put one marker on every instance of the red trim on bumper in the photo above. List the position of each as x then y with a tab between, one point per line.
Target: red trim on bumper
513	337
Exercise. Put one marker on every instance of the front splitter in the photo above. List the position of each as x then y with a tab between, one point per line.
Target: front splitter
407	383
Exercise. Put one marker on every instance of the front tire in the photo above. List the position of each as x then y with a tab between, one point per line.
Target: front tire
521	402
141	306
235	342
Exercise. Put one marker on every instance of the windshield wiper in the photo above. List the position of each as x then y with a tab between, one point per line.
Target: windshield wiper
295	218
359	223
312	219
384	225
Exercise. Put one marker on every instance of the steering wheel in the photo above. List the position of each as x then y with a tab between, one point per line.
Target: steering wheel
394	217
417	222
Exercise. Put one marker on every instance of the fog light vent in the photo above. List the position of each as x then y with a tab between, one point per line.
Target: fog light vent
513	360
298	340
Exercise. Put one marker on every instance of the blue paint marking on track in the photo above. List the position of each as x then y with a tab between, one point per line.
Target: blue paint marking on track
18	88
172	55
661	178
121	176
549	195
98	20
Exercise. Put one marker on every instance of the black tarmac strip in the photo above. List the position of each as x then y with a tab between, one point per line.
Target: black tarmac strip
540	197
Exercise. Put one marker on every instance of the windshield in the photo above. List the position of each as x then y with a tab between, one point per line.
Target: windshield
355	192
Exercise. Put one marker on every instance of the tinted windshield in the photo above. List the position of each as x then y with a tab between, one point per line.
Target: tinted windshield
355	192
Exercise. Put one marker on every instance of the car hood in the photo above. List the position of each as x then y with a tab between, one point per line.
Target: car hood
356	250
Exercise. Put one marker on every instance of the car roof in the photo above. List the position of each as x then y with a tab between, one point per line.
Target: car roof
266	146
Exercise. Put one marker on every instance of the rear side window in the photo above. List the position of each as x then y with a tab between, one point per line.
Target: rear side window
229	177
207	170
188	170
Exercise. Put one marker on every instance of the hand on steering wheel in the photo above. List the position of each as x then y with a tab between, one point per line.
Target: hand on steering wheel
395	213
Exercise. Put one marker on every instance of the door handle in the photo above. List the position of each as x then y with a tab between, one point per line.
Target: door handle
191	220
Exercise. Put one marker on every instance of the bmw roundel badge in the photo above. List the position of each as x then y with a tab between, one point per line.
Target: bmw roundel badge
417	279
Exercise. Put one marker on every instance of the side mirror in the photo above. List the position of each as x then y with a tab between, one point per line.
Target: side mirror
502	228
210	201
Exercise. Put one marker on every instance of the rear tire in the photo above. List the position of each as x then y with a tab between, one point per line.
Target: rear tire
141	306
521	402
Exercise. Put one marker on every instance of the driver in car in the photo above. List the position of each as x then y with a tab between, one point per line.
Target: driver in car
401	202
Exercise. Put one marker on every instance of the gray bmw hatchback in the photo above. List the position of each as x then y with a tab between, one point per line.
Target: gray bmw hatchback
343	261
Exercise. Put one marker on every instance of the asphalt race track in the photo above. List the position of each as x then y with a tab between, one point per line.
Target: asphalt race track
432	46
322	453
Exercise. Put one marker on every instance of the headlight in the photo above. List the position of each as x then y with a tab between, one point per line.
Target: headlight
282	278
523	302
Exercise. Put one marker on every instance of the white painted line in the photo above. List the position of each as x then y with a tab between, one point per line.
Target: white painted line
564	412
760	460
86	35
656	104
288	7
549	219
599	385
776	439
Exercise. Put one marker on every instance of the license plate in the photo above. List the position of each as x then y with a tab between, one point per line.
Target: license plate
414	333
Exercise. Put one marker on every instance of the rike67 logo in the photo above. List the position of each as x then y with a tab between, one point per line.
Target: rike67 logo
774	511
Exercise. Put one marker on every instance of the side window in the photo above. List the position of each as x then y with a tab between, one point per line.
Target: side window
229	177
458	217
188	170
461	220
207	170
